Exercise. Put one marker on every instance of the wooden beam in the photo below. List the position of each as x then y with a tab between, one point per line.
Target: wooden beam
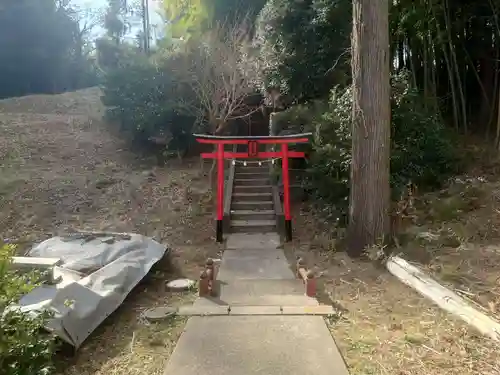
300	138
244	155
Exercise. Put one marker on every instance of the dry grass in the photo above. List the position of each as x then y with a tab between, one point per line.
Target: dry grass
458	239
385	327
127	344
61	169
85	102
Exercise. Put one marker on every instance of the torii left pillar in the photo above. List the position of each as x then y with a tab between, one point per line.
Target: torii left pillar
220	192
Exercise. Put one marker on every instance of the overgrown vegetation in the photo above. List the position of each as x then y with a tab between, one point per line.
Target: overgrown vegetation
423	145
304	46
450	49
142	96
25	348
202	85
423	148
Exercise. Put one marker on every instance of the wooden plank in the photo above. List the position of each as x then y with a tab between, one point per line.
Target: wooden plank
443	297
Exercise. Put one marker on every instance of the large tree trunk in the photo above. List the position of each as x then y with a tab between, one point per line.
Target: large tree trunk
370	191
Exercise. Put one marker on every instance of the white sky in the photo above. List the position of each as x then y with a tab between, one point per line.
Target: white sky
154	17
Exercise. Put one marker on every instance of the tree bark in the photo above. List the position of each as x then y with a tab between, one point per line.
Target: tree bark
370	190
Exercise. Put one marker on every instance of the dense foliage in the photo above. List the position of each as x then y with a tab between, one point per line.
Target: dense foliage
422	150
305	45
450	47
43	48
191	19
144	97
25	349
452	50
201	84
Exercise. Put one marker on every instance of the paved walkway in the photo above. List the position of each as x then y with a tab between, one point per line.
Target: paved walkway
254	272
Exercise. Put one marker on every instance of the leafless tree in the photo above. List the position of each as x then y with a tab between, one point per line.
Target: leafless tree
221	69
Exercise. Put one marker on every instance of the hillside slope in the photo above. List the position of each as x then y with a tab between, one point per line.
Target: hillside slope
62	169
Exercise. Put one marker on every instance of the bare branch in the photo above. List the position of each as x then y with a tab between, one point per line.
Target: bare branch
221	71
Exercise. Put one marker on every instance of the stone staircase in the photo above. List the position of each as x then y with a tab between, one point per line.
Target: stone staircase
252	206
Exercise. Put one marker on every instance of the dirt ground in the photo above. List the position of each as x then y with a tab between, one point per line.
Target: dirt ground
457	239
62	168
385	327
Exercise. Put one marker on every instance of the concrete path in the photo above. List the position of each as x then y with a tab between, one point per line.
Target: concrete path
255	272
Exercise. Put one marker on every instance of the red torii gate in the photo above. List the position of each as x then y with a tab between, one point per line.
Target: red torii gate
253	152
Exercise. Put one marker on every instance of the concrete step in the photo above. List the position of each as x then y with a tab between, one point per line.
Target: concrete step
256	345
248	169
255	241
245	197
252	205
266	189
253	226
251	264
246	175
256	310
252	182
252	215
259	292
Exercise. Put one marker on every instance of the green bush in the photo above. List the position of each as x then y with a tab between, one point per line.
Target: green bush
143	96
422	147
25	349
304	46
328	171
